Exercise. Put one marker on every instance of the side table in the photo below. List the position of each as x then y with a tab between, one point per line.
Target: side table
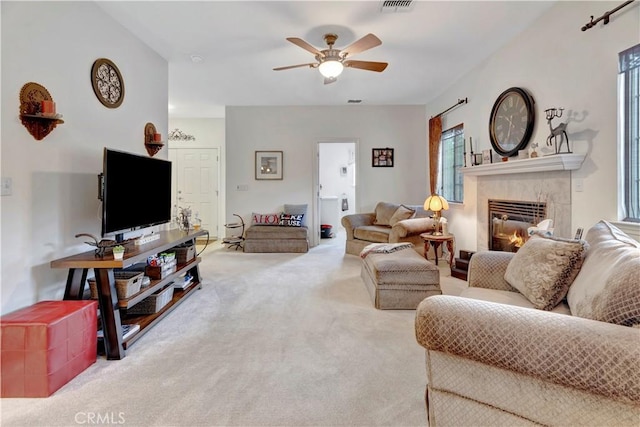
436	241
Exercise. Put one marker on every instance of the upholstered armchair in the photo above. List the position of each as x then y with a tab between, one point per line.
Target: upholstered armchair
389	223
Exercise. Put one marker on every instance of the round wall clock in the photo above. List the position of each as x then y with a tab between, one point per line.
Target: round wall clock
107	82
511	122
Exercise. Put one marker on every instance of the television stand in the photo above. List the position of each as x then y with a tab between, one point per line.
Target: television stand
110	307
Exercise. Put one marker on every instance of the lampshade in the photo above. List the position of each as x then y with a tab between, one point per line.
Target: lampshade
436	203
331	68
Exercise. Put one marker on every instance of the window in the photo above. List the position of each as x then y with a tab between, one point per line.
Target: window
629	68
450	180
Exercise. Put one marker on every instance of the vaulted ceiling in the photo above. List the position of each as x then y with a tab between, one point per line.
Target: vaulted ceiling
222	53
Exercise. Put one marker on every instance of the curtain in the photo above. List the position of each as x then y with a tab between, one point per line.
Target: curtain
435	132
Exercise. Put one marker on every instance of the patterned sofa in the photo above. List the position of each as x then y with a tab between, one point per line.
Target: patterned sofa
389	223
492	359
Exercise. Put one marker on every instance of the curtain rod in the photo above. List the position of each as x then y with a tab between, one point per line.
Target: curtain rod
605	16
460	101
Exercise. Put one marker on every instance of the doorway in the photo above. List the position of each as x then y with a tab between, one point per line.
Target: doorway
336	184
196	184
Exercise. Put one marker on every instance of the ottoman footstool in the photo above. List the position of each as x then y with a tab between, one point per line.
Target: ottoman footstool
46	345
399	280
276	238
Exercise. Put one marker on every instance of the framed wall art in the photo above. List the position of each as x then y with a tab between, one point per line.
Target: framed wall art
268	165
382	157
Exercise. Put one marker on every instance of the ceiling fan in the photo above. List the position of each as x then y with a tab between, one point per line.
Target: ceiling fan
332	61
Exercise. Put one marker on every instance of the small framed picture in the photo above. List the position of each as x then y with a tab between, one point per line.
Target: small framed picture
477	159
487	157
269	165
382	157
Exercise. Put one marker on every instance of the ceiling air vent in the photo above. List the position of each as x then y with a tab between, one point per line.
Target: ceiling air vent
395	6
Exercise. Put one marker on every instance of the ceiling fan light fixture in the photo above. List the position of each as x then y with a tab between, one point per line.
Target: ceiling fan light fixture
331	68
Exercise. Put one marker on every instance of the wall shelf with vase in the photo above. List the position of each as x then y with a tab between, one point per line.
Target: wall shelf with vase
152	139
37	110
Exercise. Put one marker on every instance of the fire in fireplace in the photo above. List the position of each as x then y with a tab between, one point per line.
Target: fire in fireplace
509	221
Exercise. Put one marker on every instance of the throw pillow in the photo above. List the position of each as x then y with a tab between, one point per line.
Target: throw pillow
544	268
265	219
291	220
606	289
401	213
384	211
297	210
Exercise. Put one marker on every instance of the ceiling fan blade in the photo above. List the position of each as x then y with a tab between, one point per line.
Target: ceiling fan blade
329	80
288	67
367	42
366	65
303	44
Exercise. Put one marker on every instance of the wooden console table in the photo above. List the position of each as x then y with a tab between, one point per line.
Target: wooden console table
108	302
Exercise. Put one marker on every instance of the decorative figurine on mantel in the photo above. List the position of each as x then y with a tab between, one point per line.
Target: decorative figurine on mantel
558	131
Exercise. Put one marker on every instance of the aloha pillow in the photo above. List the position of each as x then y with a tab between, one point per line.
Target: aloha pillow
544	268
401	213
265	219
607	288
297	210
289	220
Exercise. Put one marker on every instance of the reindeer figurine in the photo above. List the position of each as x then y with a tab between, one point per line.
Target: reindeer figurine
558	131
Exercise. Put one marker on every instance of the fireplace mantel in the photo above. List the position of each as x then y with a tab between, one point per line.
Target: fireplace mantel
555	162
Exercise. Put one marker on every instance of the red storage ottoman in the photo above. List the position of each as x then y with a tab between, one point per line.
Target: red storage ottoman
46	345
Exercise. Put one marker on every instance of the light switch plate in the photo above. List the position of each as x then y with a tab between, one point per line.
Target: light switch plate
7	186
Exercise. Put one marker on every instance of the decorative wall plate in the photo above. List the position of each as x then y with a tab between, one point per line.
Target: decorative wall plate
107	82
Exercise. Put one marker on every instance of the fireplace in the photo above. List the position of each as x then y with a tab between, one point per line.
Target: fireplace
509	221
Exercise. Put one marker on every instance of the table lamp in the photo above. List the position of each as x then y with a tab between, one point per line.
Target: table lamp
436	204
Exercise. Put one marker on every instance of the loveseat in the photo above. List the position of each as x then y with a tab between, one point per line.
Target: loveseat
493	359
389	223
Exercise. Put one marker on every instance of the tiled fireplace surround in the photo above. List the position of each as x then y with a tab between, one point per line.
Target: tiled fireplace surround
543	179
552	187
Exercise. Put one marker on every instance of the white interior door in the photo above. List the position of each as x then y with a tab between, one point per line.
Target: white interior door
197	184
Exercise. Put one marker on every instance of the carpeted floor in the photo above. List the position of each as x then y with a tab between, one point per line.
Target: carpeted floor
270	340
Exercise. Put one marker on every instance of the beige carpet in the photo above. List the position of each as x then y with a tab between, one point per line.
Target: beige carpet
270	340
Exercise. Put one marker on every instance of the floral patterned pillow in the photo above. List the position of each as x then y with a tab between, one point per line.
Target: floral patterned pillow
544	268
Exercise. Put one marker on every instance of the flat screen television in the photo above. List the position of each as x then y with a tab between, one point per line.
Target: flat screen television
136	192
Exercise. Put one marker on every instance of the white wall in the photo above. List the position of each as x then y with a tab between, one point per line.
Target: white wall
296	130
562	67
54	180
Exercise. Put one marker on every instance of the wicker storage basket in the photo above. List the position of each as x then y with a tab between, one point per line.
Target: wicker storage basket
185	253
128	283
154	302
